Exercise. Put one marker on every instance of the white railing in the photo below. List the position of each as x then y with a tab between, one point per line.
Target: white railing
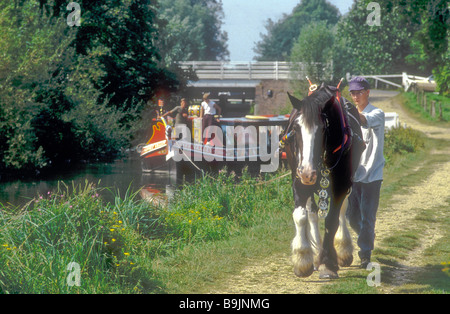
391	120
407	80
381	78
224	70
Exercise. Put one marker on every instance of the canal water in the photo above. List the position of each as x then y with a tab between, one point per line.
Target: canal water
117	178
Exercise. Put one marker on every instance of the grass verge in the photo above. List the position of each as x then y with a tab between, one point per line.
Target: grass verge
131	246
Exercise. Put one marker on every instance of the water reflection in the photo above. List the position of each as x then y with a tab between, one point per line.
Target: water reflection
118	177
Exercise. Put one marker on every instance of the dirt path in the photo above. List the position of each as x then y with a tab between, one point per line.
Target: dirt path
274	274
432	193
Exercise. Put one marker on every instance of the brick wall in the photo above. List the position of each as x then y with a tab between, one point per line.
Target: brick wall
279	100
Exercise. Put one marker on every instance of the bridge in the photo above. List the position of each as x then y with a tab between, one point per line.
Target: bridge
228	70
264	83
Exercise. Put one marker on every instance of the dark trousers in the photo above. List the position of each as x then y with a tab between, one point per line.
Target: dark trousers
361	213
208	120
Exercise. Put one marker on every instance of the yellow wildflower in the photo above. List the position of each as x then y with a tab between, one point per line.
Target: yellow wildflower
126	254
113	240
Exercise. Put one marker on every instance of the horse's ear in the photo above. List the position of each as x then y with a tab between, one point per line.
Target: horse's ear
296	103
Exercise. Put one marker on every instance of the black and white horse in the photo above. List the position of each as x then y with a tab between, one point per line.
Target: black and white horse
323	144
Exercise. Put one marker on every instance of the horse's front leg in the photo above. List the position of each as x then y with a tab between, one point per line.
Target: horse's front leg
313	232
302	253
328	258
343	239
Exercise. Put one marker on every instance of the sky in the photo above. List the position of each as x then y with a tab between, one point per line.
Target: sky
245	20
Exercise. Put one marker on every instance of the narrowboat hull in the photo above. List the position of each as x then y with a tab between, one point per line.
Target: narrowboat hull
250	141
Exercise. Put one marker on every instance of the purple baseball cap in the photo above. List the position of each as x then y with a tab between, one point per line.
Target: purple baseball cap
358	83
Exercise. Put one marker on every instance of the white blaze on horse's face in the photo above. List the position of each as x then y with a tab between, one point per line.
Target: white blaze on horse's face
305	169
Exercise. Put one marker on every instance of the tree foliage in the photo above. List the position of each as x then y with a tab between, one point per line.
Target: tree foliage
73	93
411	37
276	45
313	48
191	30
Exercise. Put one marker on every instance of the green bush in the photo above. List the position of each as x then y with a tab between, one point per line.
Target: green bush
399	141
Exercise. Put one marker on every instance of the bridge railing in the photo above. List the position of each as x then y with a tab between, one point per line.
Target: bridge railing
228	70
407	80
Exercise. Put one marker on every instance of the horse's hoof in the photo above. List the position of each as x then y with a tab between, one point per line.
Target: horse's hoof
305	272
345	261
325	273
303	260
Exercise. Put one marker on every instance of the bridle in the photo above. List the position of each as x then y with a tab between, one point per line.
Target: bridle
289	133
322	196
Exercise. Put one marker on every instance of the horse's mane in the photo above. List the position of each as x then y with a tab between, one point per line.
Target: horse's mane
313	104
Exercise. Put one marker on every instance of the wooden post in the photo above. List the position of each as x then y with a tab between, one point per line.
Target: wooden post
424	95
421	99
433	108
440	111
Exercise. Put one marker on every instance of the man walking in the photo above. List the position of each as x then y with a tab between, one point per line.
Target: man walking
364	199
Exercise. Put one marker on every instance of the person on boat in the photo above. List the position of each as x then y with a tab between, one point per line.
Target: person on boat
207	111
181	113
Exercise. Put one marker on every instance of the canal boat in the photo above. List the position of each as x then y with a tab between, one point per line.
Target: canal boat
236	142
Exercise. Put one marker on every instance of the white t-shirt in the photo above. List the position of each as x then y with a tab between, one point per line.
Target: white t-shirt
208	108
372	161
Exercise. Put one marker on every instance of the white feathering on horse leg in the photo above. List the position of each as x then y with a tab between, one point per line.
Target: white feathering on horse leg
343	239
313	233
314	237
302	253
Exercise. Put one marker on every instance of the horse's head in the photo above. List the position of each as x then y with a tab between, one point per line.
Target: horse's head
308	124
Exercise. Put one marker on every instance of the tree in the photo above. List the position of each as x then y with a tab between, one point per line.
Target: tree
33	48
191	31
429	44
71	93
412	37
373	49
313	48
277	44
128	31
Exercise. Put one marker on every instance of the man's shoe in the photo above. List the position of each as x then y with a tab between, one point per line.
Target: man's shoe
365	262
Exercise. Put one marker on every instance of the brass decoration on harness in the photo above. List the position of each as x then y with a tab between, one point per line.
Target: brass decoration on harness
322	196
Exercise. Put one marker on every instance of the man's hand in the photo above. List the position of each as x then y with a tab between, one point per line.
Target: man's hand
363	119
